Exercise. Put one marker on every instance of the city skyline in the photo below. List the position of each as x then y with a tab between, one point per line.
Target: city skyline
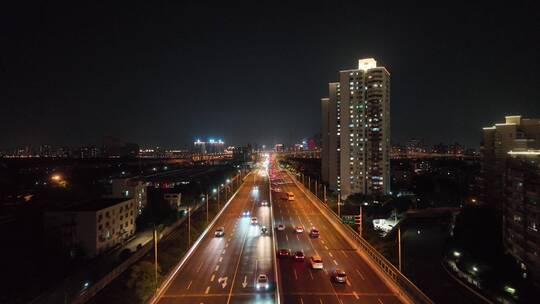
166	79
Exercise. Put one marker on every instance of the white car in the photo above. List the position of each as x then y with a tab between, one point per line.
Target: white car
245	213
219	232
264	203
316	262
280	227
254	221
262	282
299	229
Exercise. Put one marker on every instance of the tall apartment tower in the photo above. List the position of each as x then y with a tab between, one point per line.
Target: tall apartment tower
515	134
356	131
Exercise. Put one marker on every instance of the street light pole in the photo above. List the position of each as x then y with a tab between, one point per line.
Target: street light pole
309	183
338	205
206	198
155	258
399	247
324	192
189	226
316	188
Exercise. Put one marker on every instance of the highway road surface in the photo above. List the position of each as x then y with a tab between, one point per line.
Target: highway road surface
224	269
300	283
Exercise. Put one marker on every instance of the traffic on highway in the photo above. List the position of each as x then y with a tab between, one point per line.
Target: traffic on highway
270	244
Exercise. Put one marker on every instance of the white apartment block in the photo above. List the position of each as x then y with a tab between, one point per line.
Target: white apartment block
94	226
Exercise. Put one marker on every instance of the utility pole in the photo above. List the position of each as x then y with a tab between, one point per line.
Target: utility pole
218	197
399	247
206	198
155	258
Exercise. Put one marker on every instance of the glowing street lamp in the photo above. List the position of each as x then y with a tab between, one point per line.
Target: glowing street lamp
56	177
457	254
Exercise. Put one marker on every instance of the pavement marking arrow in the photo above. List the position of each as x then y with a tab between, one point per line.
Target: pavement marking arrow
244	284
223	282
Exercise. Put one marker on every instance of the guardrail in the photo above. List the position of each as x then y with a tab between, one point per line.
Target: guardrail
399	279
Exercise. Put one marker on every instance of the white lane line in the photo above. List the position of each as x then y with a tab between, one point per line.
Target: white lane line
295	275
229	240
189	285
325	247
223	252
226	245
320	301
301	301
310	274
360	274
335	262
199	268
380	301
287	237
212	278
348	282
207	290
217	267
345	254
325	271
330	254
220	259
355	295
322	241
298	237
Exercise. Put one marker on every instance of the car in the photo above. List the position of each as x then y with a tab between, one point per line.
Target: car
314	232
219	232
299	256
246	213
264	230
284	253
339	276
276	190
255	188
254	221
264	203
280	227
262	282
299	229
316	262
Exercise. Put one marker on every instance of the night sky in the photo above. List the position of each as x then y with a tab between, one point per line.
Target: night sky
165	75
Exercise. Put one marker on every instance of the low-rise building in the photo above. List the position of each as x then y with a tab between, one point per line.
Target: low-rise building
130	188
95	226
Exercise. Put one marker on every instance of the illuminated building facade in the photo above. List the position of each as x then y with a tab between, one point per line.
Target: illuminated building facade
356	131
515	134
521	211
209	147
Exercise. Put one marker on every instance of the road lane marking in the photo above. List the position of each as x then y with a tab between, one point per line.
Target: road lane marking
217	267
360	274
287	237
330	254
189	285
310	274
295	275
212	278
355	295
298	237
320	301
380	301
207	290
223	252
335	262
226	245
325	247
322	241
348	282
220	259
199	268
345	254
301	301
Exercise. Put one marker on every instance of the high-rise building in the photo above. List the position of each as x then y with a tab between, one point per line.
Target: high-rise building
521	211
515	134
356	131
